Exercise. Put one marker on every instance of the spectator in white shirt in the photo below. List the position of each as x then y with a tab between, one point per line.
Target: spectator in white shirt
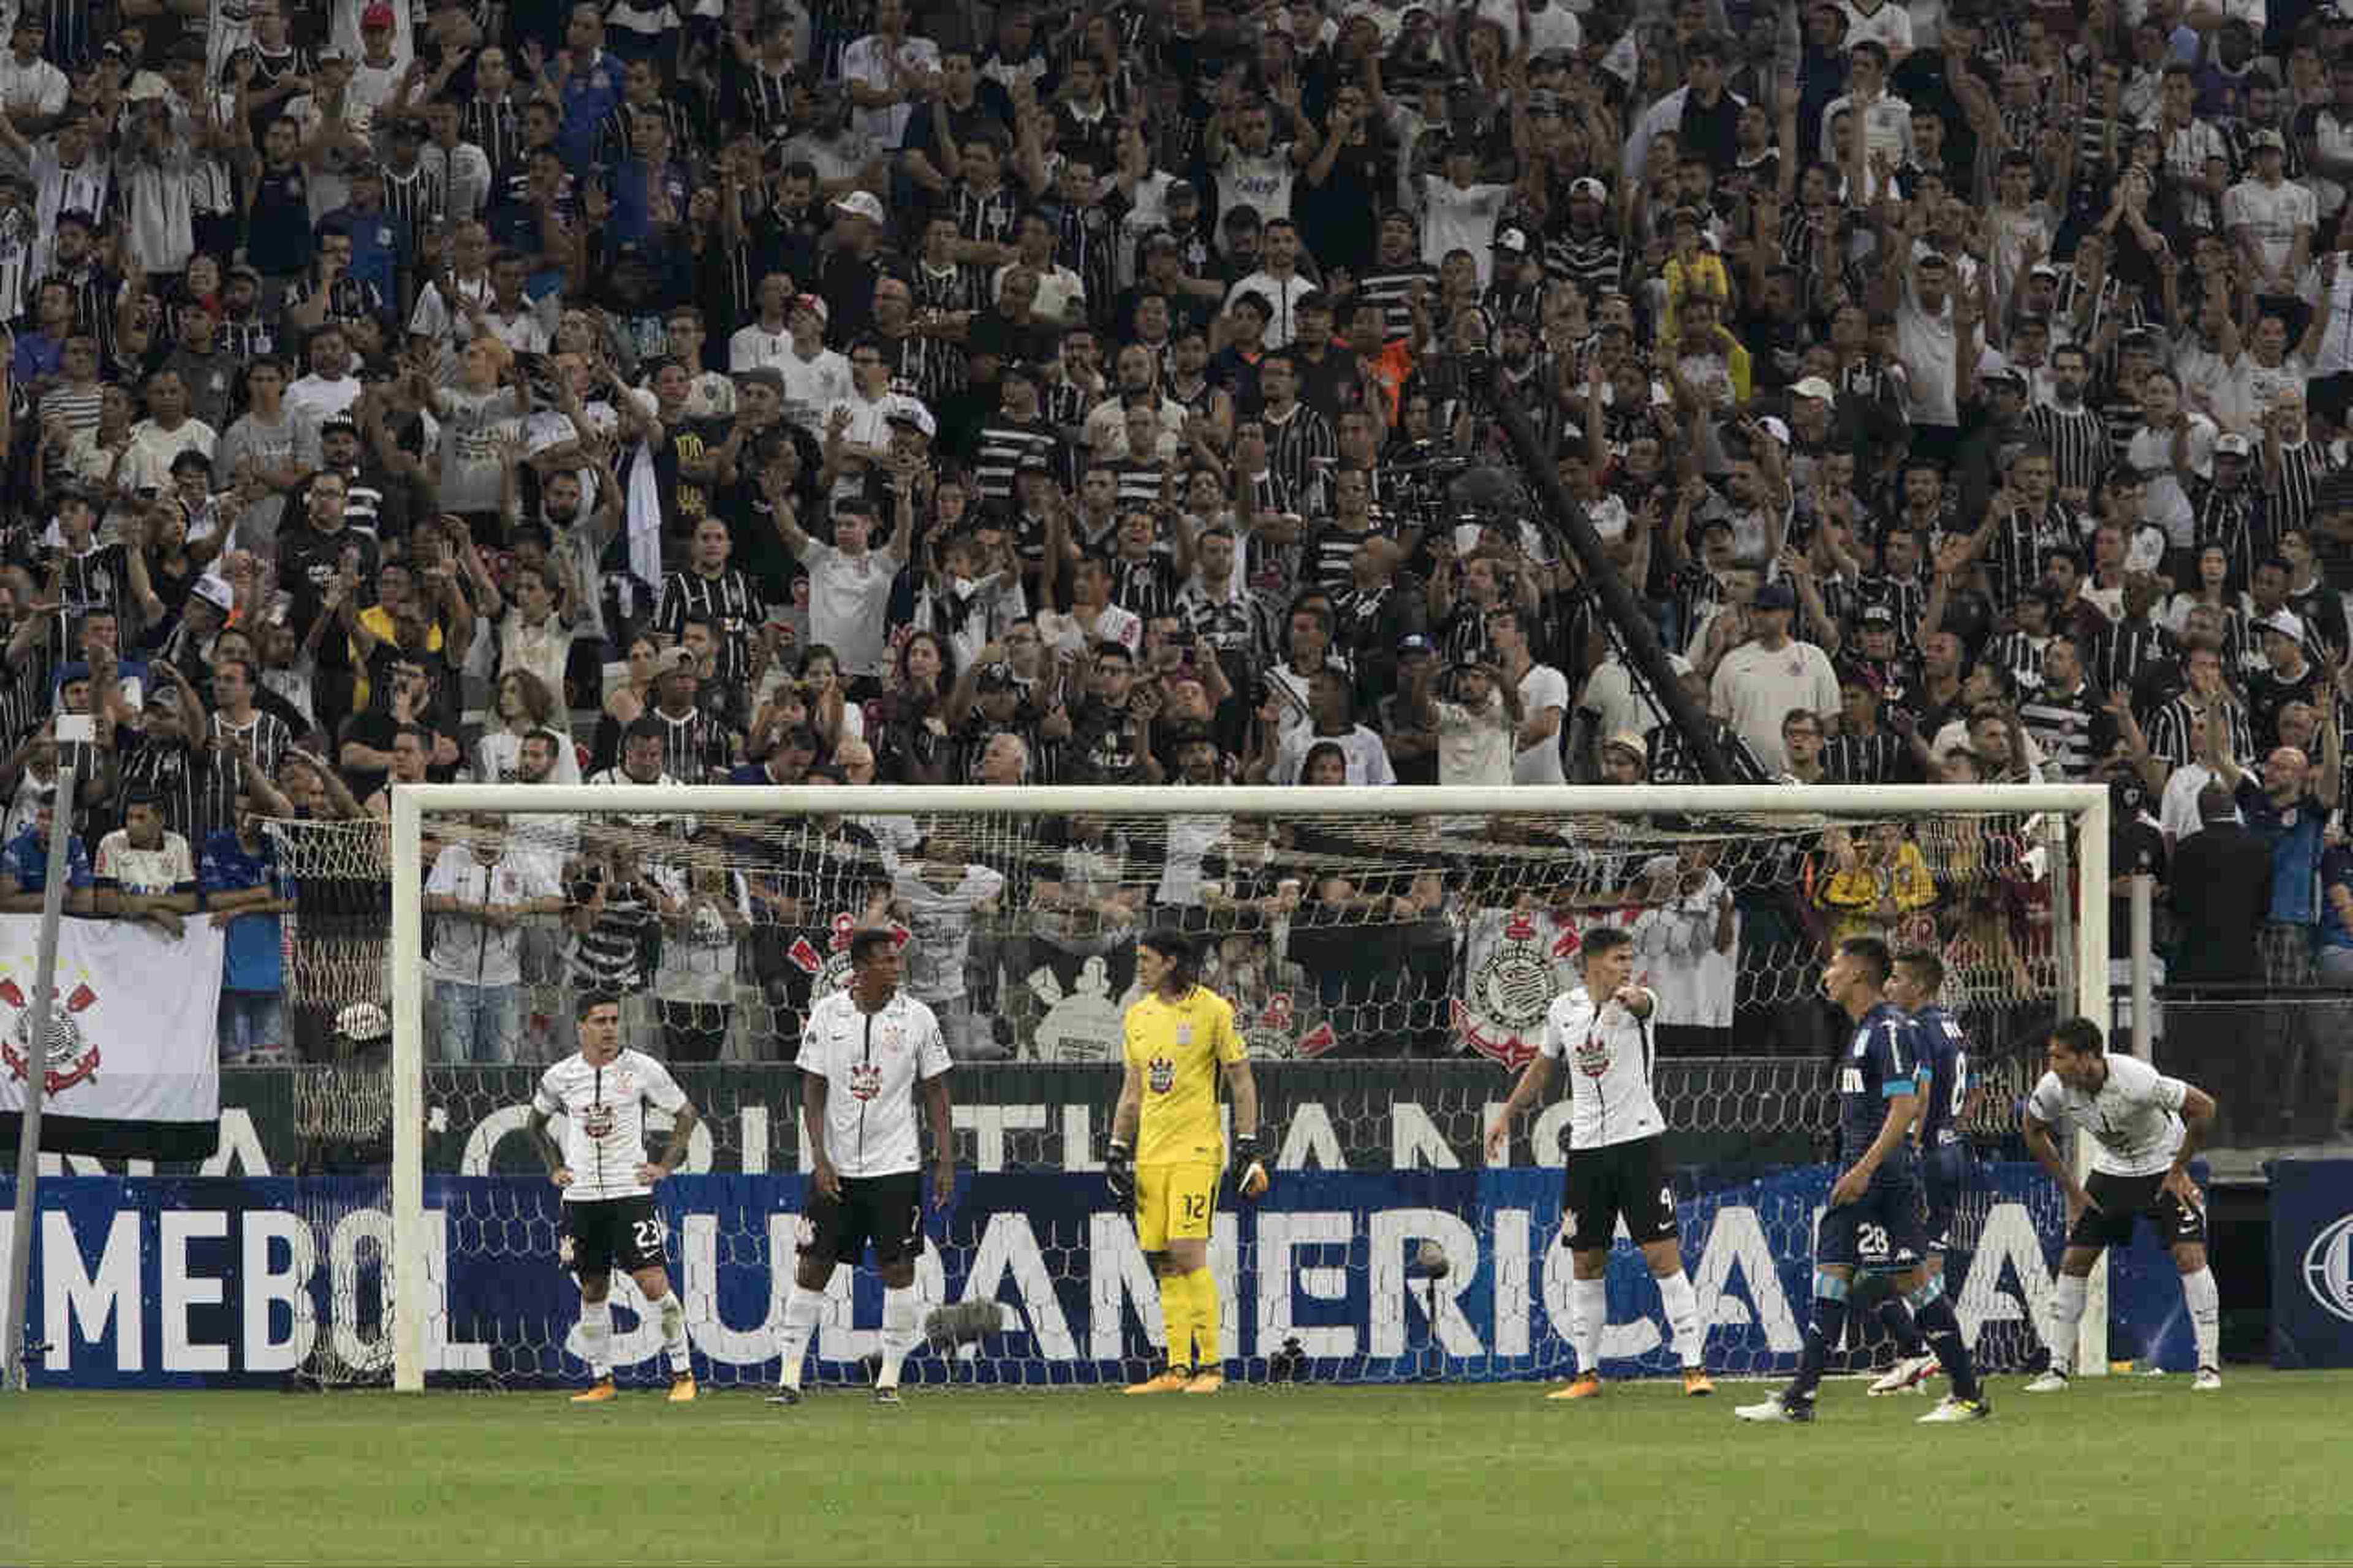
850	584
2271	220
1760	682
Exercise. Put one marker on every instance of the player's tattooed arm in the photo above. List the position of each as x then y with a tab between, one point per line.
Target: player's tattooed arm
681	1129
548	1151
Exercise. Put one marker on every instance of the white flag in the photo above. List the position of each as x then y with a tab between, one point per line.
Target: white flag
134	1058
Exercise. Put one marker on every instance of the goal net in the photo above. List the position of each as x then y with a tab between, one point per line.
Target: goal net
1390	968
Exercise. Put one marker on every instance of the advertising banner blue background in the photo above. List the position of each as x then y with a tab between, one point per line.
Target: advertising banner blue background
242	1282
2312	1263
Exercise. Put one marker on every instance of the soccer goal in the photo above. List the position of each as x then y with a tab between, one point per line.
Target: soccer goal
1391	955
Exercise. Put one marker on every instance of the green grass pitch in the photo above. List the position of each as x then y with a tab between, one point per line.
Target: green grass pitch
2118	1470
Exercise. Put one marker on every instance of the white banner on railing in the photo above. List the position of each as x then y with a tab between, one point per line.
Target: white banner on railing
133	1062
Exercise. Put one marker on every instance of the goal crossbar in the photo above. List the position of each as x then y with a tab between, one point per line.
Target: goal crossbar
2085	805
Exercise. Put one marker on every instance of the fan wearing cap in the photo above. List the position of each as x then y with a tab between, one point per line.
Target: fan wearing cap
2288	676
854	265
816	378
30	87
1757	684
2271	219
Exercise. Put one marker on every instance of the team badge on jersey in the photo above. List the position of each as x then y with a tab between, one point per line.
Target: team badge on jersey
596	1120
1593	1055
1524	966
1163	1075
865	1081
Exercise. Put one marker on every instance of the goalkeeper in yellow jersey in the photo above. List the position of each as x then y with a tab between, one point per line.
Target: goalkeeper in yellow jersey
1165	1151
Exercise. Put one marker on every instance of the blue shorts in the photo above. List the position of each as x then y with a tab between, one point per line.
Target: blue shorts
1943	1176
1882	1230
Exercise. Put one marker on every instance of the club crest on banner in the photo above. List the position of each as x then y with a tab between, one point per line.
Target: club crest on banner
72	1056
828	968
1273	1033
1517	966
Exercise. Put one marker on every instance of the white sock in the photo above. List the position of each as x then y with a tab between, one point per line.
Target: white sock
2066	1313
802	1309
597	1337
1683	1317
672	1314
1588	1313
902	1330
2205	1299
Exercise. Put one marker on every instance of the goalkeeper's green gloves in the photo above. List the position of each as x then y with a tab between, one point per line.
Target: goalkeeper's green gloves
1119	1172
1250	1176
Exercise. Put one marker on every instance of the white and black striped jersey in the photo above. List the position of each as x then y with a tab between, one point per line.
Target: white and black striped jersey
16	237
730	602
267	738
1301	449
1607	1053
1875	758
415	200
1391	288
613	954
1148	588
2060	724
604	1111
930	370
2124	649
991	217
2078	439
2133	1119
694	746
2176	730
1139	483
998	449
494	125
2227	517
2292	492
177	774
872	1064
960	286
762	101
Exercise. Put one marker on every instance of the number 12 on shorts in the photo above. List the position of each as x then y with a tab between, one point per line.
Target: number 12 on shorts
1196	1205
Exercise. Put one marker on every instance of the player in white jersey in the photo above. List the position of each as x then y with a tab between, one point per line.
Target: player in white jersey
865	1051
1617	1154
2144	1128
602	1092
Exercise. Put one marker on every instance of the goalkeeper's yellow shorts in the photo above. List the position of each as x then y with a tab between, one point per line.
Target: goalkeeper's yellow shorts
1174	1201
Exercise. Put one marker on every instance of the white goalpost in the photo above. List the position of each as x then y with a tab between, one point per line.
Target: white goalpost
1523	840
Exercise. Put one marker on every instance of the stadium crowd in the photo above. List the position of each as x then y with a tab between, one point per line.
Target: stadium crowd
890	390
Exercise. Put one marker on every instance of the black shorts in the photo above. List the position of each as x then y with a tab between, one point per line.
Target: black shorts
1627	1179
885	1210
601	1235
2122	1199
